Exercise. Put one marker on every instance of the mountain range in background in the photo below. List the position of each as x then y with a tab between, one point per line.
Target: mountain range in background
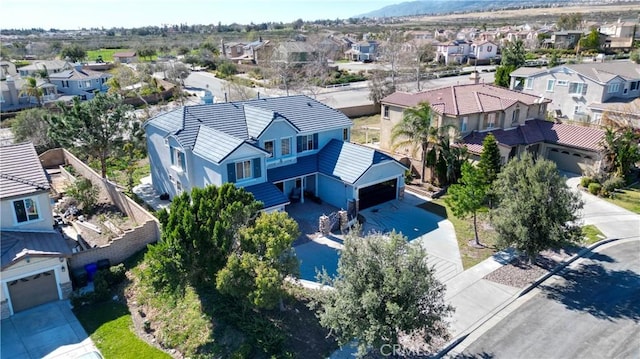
440	7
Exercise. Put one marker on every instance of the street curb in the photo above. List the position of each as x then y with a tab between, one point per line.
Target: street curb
462	336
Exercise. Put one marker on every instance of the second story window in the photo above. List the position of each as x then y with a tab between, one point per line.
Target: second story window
345	134
307	142
613	88
550	85
87	84
285	146
464	123
177	158
25	210
528	83
243	170
268	146
491	120
578	88
386	112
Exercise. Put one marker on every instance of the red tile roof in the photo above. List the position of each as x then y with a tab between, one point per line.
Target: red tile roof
535	131
463	99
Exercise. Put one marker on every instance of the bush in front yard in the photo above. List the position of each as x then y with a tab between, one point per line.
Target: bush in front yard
613	184
586	181
594	188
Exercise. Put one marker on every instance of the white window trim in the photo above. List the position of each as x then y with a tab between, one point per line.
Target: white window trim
579	87
290	151
528	83
176	166
491	120
613	88
28	221
244	178
551	83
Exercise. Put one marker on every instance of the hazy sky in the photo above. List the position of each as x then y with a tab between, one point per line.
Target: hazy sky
76	14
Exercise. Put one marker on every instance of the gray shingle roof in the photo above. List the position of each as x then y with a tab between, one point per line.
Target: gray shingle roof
257	119
21	172
304	113
215	145
268	194
599	71
16	245
348	161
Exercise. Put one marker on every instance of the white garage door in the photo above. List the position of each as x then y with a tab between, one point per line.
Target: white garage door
33	290
570	161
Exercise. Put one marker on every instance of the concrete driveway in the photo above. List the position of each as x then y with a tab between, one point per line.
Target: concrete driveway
435	234
614	222
47	331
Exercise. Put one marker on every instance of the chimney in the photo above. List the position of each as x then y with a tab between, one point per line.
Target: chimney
475	77
13	92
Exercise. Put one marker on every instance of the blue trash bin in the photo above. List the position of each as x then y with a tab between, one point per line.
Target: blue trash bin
91	269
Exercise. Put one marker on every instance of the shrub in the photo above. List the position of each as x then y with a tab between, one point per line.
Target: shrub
408	177
594	188
613	184
85	193
586	181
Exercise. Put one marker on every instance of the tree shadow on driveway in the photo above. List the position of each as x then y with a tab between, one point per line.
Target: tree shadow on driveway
605	294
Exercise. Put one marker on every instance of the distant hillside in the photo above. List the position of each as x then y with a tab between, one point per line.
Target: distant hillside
437	7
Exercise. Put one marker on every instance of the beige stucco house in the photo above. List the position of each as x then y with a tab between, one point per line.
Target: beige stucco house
34	255
513	117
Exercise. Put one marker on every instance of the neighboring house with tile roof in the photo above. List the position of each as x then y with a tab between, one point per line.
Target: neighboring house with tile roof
80	81
581	92
34	255
125	57
483	51
513	117
280	149
295	52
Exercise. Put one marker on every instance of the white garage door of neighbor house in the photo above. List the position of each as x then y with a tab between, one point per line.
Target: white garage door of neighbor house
33	290
570	161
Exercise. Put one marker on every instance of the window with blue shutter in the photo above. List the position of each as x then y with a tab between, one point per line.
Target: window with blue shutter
315	141
300	140
256	168
307	142
173	161
231	172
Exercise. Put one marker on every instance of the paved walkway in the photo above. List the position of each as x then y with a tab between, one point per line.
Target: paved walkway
48	331
480	304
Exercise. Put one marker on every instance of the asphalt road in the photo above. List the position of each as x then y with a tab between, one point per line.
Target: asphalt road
590	311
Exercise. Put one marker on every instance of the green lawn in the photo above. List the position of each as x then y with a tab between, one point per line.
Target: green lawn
591	234
464	233
107	54
628	198
360	133
109	326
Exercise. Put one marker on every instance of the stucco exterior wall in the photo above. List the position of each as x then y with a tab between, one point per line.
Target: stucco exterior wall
43	204
334	191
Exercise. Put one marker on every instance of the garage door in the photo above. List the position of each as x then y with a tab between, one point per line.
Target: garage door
33	290
376	194
570	161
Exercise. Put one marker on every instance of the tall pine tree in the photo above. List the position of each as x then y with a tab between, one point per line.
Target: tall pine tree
490	160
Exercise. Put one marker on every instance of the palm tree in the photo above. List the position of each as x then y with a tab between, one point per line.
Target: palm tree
416	131
31	89
43	73
450	156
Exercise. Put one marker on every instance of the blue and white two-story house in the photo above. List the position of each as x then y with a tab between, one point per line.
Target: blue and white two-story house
80	81
281	149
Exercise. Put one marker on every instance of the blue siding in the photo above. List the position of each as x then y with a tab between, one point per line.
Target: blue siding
333	191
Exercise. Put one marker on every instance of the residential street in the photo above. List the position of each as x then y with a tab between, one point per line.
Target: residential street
591	310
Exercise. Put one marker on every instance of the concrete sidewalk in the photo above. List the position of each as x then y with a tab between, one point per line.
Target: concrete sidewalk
480	303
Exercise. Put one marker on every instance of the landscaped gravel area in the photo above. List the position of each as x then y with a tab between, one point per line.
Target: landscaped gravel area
520	273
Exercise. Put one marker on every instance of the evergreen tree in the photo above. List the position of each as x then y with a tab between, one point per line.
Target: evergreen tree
384	288
467	197
490	159
536	210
